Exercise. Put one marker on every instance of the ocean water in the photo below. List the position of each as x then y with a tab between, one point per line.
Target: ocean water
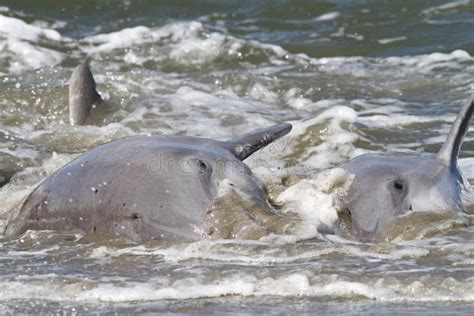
352	77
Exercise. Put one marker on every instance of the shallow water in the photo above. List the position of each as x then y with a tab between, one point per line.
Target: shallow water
352	77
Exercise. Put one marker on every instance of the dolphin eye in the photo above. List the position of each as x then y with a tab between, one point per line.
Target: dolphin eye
204	167
398	184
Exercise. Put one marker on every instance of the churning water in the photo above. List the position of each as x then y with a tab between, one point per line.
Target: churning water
351	76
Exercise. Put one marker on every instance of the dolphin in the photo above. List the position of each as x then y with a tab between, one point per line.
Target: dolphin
82	94
387	186
146	188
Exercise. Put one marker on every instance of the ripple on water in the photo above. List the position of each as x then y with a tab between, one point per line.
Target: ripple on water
217	75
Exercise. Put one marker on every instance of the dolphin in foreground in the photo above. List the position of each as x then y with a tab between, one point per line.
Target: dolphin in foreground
148	187
82	94
387	186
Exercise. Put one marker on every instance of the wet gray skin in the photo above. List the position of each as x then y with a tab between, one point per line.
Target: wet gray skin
82	94
387	186
145	187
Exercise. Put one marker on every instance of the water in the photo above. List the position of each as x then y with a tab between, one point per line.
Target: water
352	77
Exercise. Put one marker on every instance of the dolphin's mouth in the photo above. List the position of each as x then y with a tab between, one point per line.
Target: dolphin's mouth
349	224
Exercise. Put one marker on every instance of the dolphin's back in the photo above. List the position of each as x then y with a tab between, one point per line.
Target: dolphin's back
126	188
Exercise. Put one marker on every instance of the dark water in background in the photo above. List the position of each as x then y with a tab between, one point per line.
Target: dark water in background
352	77
297	26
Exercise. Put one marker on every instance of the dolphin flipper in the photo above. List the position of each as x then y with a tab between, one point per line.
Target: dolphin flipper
82	94
449	151
242	147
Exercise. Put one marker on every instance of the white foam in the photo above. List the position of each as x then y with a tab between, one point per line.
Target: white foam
336	143
327	16
188	43
22	41
392	119
31	56
398	253
369	67
12	27
232	251
130	37
11	196
446	6
241	284
385	41
191	288
297	101
202	103
317	199
383	113
430	59
195	50
260	92
57	161
120	39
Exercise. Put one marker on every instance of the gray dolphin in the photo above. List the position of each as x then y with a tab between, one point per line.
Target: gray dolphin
390	185
146	187
82	94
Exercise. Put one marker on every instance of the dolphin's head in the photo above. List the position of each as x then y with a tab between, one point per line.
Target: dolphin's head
215	166
388	186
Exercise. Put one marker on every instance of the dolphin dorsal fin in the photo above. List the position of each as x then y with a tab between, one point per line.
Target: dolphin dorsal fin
82	93
244	146
448	153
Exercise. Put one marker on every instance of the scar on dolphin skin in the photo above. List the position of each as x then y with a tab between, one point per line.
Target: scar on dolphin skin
387	186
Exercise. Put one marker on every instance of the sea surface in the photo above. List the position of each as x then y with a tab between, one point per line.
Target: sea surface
352	77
